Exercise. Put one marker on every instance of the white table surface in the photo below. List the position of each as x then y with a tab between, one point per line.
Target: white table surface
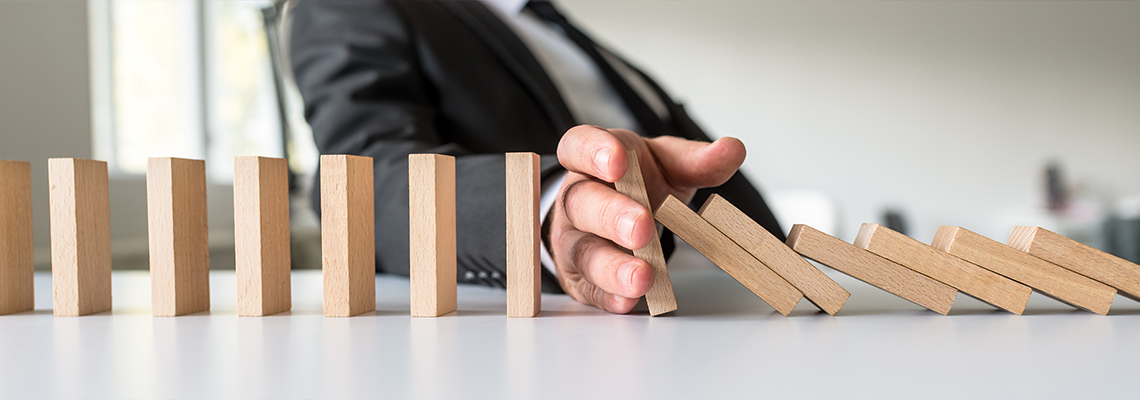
722	343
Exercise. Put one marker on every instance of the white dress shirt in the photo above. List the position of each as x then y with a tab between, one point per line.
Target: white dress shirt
587	94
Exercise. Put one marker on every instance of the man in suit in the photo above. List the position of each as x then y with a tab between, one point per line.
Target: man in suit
476	79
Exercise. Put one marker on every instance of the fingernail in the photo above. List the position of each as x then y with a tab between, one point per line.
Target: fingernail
602	159
626	225
627	274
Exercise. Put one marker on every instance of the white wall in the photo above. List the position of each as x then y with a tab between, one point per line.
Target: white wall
45	112
945	109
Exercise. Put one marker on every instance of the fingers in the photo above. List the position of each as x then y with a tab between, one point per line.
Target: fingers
607	276
596	208
593	151
687	163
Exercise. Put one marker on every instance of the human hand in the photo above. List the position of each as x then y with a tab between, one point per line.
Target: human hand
592	225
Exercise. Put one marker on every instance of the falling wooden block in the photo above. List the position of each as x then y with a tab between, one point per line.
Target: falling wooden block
179	243
16	259
80	236
524	287
431	187
781	259
660	297
971	279
1056	282
727	255
1078	257
261	235
872	269
348	235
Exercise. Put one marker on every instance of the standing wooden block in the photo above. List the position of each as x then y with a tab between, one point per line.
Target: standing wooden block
872	269
348	235
727	255
971	279
179	243
660	297
80	236
16	260
814	284
431	187
261	235
524	287
1056	282
1078	257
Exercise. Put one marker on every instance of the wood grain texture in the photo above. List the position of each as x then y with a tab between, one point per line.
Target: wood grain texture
660	297
524	287
431	187
261	235
16	247
80	236
179	243
1078	257
1056	282
781	259
348	235
872	269
727	255
971	279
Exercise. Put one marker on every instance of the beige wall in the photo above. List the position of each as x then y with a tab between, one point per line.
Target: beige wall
946	109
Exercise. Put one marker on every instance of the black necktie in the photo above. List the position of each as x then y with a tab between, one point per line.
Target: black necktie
651	124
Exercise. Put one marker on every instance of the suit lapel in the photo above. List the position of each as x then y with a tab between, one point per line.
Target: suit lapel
516	57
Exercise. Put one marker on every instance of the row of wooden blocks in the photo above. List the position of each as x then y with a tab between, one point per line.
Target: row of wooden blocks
1003	275
930	276
179	253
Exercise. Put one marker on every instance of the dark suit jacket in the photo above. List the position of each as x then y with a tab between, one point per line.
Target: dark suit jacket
385	79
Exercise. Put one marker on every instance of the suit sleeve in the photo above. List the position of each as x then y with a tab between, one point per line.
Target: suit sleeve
365	94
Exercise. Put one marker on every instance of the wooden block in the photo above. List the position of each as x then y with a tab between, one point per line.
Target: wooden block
80	236
872	269
431	187
727	255
1056	282
261	235
348	235
16	259
660	297
1078	257
524	287
971	279
781	259
179	243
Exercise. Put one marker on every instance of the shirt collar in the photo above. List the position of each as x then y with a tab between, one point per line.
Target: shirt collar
506	7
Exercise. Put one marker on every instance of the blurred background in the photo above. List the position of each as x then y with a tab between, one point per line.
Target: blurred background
985	115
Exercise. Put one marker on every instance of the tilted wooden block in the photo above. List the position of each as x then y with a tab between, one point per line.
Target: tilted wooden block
727	255
348	235
1056	282
16	259
872	269
524	285
431	187
660	297
813	283
179	243
80	236
1078	257
261	235
971	279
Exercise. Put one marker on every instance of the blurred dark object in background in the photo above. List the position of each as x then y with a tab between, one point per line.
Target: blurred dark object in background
894	221
1055	197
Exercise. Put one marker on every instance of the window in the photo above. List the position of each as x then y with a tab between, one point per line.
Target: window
187	79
